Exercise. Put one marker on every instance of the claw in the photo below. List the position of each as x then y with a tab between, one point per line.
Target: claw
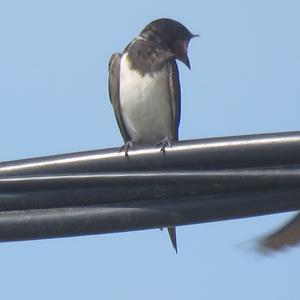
164	143
126	147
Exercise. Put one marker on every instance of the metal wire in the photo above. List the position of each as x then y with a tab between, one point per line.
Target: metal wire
195	181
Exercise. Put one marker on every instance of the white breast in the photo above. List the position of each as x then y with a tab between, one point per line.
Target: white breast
145	104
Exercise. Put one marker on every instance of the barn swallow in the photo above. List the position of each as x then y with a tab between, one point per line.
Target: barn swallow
144	87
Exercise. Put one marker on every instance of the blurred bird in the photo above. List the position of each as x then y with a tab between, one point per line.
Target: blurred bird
286	236
144	87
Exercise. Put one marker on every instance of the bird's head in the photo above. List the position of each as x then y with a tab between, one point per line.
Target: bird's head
172	34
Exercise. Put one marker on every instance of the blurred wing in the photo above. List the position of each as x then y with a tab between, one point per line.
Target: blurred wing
288	235
174	85
114	92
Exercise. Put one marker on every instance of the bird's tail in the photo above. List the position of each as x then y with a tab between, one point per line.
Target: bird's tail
172	234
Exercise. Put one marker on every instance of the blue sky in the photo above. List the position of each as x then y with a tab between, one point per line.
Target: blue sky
53	94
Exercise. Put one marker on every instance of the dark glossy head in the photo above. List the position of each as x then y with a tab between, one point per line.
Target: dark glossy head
172	34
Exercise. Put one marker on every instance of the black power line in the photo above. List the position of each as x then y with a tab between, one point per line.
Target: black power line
196	181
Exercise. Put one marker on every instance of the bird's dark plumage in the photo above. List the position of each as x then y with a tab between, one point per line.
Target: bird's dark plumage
144	86
114	92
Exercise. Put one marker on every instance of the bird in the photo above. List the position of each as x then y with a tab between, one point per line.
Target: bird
286	236
144	87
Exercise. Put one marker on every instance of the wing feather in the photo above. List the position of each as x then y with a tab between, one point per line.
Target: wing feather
114	92
286	236
174	86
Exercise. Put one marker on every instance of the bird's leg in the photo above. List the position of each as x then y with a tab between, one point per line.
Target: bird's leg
126	147
167	141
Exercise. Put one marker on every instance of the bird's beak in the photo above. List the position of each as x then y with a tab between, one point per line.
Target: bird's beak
185	60
181	50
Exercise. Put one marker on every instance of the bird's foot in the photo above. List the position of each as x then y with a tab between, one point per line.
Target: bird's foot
164	143
126	148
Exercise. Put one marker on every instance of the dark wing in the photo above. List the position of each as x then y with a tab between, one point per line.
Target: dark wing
114	91
174	85
288	235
